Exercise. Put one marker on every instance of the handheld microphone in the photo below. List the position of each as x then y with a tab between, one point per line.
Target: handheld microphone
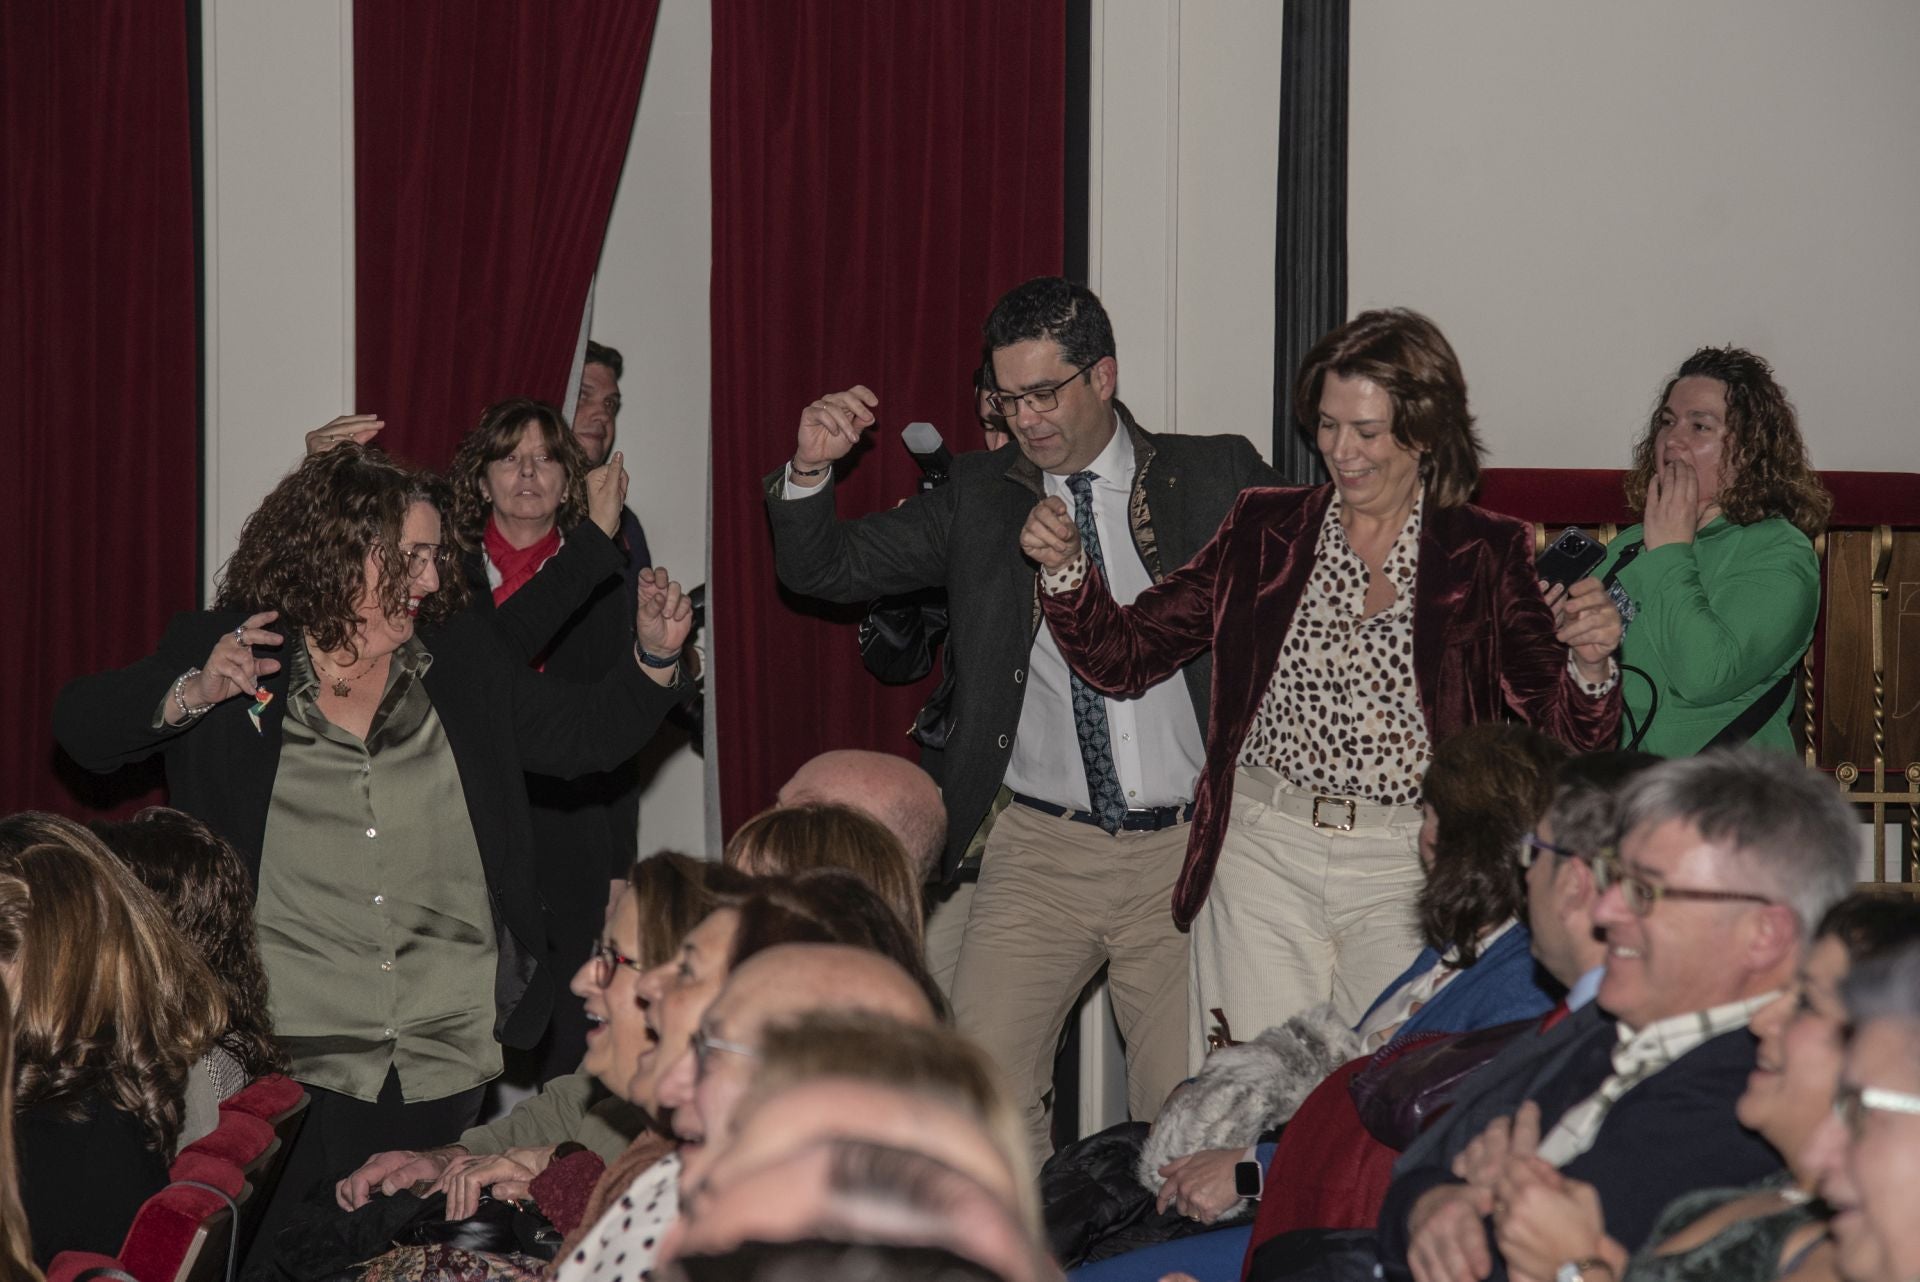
930	452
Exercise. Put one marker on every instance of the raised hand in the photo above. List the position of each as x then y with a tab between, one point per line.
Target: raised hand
231	667
663	620
1673	506
607	494
1050	537
830	427
358	428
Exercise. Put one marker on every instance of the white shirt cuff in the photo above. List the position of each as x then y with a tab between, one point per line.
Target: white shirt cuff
1594	689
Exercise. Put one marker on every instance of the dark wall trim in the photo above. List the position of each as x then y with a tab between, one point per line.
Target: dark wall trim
1079	51
1310	276
196	99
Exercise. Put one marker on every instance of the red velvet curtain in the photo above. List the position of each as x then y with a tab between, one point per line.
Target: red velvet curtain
97	353
882	172
489	138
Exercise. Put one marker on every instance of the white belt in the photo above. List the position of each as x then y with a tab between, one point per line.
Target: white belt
1320	809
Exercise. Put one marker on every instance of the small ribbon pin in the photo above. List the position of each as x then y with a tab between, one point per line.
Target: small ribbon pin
261	698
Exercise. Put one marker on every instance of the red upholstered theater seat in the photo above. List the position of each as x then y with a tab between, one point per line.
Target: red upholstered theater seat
268	1098
240	1138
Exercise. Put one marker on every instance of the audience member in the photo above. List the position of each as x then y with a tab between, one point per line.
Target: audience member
528	511
892	790
791	839
821	907
924	1093
1340	670
112	1008
776	985
203	887
1867	1153
1720	583
1076	871
1486	788
668	894
1726	864
596	416
813	1258
393	980
1544	1221
16	1243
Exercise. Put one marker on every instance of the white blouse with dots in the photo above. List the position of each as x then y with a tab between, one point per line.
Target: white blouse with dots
624	1244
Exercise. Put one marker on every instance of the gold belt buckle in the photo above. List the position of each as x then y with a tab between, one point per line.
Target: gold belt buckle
1339	801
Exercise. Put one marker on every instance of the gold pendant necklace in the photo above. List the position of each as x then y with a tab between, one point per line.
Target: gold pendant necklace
342	686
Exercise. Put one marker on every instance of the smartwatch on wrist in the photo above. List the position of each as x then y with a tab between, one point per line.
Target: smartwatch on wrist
1248	1178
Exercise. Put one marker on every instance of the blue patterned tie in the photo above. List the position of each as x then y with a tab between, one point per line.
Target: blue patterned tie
1089	706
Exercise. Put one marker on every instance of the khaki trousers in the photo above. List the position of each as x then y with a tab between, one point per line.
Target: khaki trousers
1056	900
946	928
1298	914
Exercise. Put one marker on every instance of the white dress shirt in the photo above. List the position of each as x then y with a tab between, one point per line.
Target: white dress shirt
1157	749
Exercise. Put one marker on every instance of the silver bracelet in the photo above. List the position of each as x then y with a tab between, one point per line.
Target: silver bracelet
180	683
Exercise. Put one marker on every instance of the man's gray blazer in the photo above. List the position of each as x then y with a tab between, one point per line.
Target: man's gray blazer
965	537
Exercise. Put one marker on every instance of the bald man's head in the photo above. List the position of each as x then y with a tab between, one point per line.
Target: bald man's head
780	983
894	791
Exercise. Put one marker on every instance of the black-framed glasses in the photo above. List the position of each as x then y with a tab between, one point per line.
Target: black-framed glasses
1532	847
1642	895
705	1045
1851	1104
1041	400
422	555
605	958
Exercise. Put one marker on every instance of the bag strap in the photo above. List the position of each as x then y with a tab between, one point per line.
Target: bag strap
1748	723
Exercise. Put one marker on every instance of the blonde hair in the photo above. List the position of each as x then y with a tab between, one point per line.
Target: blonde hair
932	1062
110	998
788	840
16	1247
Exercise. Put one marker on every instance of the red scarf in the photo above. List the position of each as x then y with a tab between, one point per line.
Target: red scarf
516	565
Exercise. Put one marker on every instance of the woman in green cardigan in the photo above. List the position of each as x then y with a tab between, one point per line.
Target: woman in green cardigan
1719	585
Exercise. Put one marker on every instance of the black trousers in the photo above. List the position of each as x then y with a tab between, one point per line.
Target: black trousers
342	1132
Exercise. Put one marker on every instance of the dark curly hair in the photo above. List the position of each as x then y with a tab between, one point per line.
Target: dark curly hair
1050	307
1487	786
1409	359
499	432
304	550
111	1001
1766	470
206	890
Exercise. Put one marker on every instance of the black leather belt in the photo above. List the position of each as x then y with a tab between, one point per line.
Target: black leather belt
1150	819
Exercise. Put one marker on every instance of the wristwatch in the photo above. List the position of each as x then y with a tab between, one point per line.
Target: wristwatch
1591	1269
1247	1178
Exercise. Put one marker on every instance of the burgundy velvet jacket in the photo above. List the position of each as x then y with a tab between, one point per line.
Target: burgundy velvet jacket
1483	645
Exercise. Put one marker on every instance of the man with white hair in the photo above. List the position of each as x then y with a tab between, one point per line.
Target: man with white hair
1726	863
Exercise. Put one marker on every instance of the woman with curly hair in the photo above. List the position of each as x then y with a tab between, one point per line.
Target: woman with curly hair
112	1007
371	778
1719	585
526	505
203	885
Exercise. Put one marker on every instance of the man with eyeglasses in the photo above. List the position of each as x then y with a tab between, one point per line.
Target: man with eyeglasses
1078	869
1867	1155
778	985
1725	863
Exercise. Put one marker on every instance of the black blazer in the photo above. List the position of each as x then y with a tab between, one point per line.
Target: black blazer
501	719
1672	1133
965	537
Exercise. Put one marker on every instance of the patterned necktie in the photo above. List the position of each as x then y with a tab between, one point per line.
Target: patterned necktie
1089	706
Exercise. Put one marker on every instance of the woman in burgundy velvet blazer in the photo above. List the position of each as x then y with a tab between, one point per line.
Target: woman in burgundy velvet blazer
1302	596
1483	639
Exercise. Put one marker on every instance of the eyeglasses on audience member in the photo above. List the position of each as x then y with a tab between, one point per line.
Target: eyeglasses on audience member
1851	1104
1641	895
605	958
